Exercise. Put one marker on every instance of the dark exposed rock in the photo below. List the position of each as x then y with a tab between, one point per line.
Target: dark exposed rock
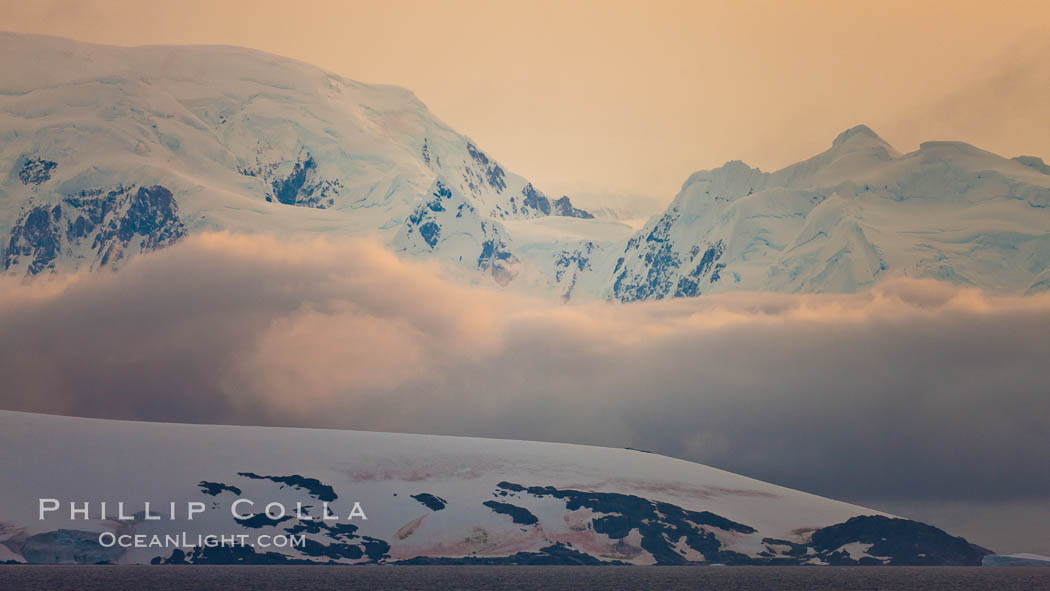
793	548
893	541
424	220
303	186
510	486
661	263
667	273
711	255
430	232
425	227
491	171
657	522
535	200
345	543
573	262
312	486
214	488
150	214
36	170
287	190
903	541
563	207
665	528
261	520
532	203
339	531
496	258
430	501
374	549
109	222
517	514
37	237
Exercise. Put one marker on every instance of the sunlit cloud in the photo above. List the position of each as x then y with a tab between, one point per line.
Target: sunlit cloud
912	392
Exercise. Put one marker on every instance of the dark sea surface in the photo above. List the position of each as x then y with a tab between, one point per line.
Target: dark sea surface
575	578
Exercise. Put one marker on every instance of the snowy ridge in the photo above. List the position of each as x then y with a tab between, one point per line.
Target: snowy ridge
225	138
844	219
427	499
243	141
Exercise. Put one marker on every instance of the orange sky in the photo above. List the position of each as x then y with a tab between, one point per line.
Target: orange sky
634	96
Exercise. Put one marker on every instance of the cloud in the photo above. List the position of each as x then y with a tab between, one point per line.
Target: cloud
911	394
992	107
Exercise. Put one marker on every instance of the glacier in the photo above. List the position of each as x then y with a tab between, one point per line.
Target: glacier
843	220
113	151
244	141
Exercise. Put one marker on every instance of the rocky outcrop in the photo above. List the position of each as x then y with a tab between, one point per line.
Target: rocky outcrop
532	203
563	207
447	223
666	272
97	228
895	542
298	182
36	171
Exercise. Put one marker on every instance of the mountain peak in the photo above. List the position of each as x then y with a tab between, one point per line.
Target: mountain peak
858	133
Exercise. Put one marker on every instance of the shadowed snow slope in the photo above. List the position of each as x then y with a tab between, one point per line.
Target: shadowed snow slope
425	499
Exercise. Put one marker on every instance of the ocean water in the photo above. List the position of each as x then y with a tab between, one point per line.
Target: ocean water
575	578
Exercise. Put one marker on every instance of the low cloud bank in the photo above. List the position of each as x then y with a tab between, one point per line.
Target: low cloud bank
914	392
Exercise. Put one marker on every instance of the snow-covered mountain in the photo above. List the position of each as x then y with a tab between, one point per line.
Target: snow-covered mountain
112	151
425	499
843	220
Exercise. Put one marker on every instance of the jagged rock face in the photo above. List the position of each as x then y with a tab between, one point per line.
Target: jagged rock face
489	171
101	226
496	258
36	238
36	170
448	224
668	272
531	203
571	264
302	185
843	220
563	207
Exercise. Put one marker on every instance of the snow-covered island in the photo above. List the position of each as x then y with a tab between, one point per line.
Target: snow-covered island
289	496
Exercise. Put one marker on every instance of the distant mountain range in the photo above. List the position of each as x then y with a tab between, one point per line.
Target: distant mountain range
426	499
846	218
112	152
115	151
